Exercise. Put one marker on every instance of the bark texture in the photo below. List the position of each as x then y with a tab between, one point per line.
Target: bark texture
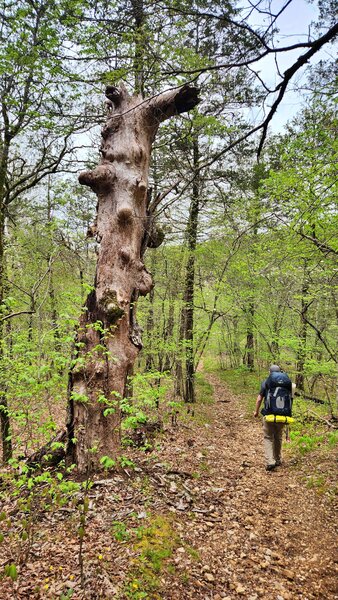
189	390
301	352
109	338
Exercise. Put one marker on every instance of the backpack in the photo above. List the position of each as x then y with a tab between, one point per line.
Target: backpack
278	395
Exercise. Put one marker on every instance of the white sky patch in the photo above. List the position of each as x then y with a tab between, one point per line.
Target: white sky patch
295	24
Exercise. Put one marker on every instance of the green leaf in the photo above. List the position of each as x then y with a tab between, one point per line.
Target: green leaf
108	463
11	571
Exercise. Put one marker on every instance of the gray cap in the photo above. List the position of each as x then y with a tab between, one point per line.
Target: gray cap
275	369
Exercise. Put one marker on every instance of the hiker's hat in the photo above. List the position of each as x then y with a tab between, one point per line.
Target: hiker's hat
275	369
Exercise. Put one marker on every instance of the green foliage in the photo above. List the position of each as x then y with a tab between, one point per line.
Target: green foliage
316	482
332	440
67	595
205	390
149	390
11	571
305	443
306	439
126	462
76	397
120	532
155	546
51	486
265	234
107	462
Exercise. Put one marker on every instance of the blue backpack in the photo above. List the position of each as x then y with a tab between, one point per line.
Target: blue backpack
278	395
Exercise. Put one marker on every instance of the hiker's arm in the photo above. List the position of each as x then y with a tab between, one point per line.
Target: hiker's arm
258	405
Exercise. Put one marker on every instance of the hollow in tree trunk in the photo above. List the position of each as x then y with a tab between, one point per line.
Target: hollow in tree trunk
108	338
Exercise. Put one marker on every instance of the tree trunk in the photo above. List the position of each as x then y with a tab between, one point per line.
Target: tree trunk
250	340
51	290
301	353
169	332
150	332
108	338
4	414
236	349
178	370
139	42
259	173
189	395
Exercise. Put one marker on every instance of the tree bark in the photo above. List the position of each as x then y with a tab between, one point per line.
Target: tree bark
189	393
108	338
139	39
301	353
4	409
150	333
169	332
250	340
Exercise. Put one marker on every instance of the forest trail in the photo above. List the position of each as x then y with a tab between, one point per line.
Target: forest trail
268	536
232	529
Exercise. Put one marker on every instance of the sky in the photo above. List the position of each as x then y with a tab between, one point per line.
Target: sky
294	26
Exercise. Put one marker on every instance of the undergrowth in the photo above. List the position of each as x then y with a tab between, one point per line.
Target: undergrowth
154	544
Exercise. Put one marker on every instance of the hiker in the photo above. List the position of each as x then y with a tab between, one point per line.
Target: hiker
276	391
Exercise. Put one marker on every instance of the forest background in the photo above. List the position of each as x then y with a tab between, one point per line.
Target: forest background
247	271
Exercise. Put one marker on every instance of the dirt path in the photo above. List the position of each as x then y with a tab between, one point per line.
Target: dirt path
234	530
266	535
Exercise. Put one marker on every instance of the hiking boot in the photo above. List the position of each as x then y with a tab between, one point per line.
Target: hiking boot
270	467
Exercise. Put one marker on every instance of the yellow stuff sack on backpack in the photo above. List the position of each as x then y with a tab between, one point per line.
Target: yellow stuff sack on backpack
278	419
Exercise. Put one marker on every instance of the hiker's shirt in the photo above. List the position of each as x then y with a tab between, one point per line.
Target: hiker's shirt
263	389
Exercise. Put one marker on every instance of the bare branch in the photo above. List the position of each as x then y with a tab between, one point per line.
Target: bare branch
16	314
323	246
289	73
320	337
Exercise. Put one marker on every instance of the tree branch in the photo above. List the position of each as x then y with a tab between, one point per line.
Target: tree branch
289	73
323	246
16	314
174	102
320	337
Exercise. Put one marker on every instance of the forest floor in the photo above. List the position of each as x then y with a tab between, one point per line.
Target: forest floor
198	517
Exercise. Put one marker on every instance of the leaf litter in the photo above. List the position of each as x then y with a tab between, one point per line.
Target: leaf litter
197	518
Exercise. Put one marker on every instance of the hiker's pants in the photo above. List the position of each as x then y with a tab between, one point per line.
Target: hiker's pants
273	433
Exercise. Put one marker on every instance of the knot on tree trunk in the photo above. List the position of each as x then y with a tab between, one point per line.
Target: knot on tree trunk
145	284
101	178
125	213
156	236
115	95
109	305
136	336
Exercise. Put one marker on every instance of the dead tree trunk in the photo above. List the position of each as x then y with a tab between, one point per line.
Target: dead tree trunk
108	337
